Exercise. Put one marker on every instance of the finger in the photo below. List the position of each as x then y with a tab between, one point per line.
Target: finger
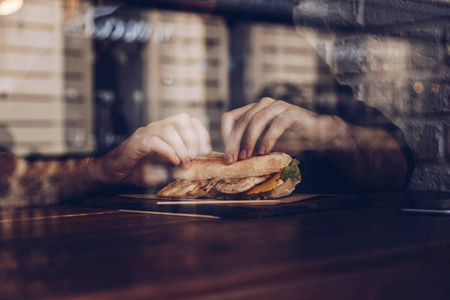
233	145
204	140
276	129
171	136
229	119
259	122
187	131
189	135
159	146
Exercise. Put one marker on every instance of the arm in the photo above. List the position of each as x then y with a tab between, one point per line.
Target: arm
369	158
143	160
44	182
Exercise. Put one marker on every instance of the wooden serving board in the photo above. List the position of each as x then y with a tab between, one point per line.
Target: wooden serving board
291	205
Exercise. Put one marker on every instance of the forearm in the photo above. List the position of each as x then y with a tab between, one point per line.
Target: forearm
45	182
370	158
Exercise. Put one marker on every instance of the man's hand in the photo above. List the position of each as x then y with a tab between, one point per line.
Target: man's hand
143	158
274	125
369	158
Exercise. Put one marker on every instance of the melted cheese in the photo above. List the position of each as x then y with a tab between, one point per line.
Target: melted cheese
266	186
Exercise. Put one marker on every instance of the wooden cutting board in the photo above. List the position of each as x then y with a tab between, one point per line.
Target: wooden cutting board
291	205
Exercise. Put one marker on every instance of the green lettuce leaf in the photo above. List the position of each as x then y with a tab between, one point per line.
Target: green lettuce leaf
290	171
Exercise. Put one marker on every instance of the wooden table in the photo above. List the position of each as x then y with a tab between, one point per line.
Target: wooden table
368	252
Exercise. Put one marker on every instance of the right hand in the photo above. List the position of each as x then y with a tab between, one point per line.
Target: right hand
175	140
275	125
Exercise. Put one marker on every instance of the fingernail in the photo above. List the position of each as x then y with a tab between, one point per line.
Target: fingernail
229	158
243	154
262	150
192	154
187	164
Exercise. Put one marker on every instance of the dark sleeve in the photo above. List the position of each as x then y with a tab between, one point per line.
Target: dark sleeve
318	172
360	114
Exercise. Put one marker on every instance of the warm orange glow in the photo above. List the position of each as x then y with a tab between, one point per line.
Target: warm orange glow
435	88
8	7
265	186
418	87
72	8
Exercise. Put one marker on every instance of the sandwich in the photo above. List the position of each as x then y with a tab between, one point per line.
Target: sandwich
270	176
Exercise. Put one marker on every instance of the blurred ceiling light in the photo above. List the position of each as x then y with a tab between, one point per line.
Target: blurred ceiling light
8	7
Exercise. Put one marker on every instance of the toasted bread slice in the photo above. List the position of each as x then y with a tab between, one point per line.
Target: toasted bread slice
188	189
214	166
239	185
284	189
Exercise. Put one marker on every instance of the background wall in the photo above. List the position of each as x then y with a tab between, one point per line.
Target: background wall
394	54
45	83
188	72
396	57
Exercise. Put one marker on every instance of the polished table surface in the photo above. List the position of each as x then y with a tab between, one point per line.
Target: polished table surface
368	252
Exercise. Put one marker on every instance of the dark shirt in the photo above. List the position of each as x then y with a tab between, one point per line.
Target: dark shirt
319	174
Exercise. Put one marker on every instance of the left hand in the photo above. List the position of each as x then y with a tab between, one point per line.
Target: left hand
145	157
274	125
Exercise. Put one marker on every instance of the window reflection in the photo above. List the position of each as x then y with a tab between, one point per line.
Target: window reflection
79	78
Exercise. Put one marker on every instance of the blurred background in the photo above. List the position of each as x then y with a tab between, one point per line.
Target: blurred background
78	77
